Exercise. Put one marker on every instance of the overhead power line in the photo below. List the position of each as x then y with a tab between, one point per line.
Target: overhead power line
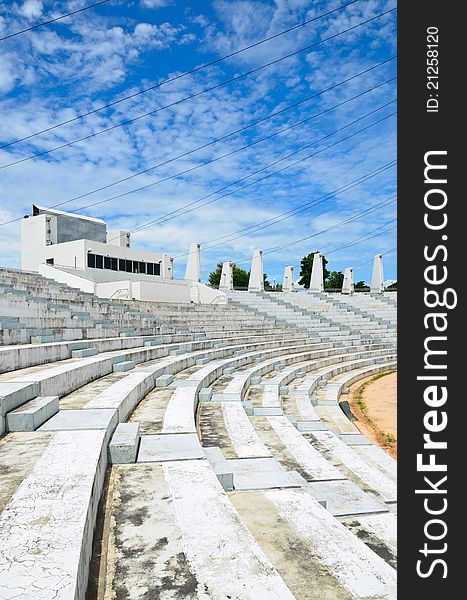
175	175
74	12
365	237
372	258
179	76
183	209
189	152
190	97
377	206
356	240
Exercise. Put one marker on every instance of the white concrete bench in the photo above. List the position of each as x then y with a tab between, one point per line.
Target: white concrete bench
46	529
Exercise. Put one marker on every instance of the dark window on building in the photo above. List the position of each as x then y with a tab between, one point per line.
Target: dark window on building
107	262
150	268
157	269
50	261
129	266
91	260
99	261
135	266
114	266
142	267
121	264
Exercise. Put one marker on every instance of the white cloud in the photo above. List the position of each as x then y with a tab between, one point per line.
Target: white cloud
31	9
155	3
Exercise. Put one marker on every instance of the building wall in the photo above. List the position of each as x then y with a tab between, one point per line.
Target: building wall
33	242
71	228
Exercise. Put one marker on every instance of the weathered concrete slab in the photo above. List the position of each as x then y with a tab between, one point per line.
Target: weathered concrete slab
267	411
259	474
310	426
245	440
220	467
69	420
85	352
47	527
164	447
312	461
226	556
377	457
353	564
125	394
381	527
32	414
164	380
123	366
12	394
344	498
124	444
370	477
355	439
205	395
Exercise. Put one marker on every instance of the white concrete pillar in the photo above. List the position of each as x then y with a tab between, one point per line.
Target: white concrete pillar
317	278
288	281
193	264
256	281
226	282
377	278
348	283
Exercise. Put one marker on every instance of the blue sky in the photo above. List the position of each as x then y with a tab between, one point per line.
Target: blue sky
74	66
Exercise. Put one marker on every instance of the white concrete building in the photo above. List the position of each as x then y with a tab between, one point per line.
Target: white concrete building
78	250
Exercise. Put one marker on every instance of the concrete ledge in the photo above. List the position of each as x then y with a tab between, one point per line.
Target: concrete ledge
310	426
202	361
123	447
45	339
268	411
256	380
177	352
169	447
220	467
85	352
30	416
13	395
124	365
228	371
164	380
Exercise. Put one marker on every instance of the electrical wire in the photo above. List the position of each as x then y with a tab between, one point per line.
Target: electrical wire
80	10
179	76
183	155
190	97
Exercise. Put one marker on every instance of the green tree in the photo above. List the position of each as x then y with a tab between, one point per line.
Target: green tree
393	286
360	284
305	269
240	277
335	280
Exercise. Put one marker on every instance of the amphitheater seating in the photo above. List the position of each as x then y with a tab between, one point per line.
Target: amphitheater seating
222	436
